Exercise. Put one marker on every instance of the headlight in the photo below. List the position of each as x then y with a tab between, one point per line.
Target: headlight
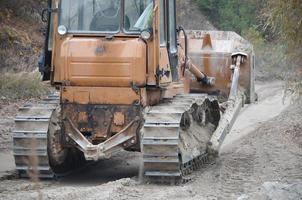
146	35
62	30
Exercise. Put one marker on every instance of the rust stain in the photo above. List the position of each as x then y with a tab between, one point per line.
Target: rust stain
83	117
119	119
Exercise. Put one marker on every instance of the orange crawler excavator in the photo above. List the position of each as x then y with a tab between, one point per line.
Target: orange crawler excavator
127	77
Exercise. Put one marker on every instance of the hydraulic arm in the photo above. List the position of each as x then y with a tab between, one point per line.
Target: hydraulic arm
232	106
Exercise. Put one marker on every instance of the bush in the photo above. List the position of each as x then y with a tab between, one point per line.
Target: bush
254	36
270	56
231	15
21	86
284	18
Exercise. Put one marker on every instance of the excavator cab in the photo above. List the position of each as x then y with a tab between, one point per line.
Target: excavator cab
109	19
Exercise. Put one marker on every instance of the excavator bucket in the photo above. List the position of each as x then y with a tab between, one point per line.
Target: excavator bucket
212	52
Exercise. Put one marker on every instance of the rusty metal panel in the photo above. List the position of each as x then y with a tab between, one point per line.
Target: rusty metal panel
100	95
211	51
100	122
119	119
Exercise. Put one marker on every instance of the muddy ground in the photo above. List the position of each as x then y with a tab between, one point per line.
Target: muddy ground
261	159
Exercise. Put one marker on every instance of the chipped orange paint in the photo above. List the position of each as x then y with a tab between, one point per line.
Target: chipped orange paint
164	64
119	119
100	95
211	51
83	117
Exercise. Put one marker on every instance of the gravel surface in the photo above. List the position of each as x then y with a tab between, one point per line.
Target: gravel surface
7	114
264	162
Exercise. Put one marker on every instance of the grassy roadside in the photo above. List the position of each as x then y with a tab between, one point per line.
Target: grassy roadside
15	86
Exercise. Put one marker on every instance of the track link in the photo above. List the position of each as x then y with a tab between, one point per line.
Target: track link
30	138
175	136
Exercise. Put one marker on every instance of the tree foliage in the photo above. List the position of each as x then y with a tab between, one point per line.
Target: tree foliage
235	15
284	18
273	26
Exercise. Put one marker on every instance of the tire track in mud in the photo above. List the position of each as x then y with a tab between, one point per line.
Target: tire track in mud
266	155
270	104
247	152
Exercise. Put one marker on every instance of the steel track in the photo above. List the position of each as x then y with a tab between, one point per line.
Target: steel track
30	138
175	135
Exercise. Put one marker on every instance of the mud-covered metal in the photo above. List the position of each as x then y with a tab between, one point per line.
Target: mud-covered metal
38	150
30	139
99	122
98	130
175	135
232	106
211	52
121	140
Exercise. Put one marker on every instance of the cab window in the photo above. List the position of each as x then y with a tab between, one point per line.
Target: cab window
138	15
91	15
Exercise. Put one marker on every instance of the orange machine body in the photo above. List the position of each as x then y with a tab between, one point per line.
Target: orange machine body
106	82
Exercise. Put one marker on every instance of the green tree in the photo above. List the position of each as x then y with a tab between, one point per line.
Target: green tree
235	15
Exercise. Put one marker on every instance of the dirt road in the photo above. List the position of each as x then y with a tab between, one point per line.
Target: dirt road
261	159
